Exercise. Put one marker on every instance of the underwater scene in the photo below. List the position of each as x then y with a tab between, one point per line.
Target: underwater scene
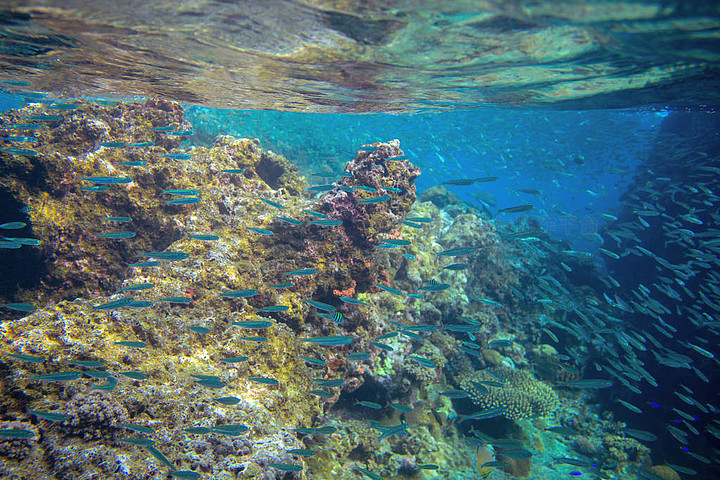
324	239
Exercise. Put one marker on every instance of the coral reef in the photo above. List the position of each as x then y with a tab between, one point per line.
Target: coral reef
382	167
623	450
420	372
164	352
520	396
203	332
72	260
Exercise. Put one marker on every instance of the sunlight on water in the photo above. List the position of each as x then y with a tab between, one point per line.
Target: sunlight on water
327	56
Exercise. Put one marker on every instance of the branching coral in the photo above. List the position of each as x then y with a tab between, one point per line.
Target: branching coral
521	395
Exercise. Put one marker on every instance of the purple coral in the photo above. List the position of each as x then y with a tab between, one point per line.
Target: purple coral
374	169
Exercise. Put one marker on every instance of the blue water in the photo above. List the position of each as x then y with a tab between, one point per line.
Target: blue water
581	161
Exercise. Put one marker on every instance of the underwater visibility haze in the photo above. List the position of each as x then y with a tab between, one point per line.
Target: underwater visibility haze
329	239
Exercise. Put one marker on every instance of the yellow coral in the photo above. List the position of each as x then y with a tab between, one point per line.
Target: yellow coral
492	357
665	472
521	395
